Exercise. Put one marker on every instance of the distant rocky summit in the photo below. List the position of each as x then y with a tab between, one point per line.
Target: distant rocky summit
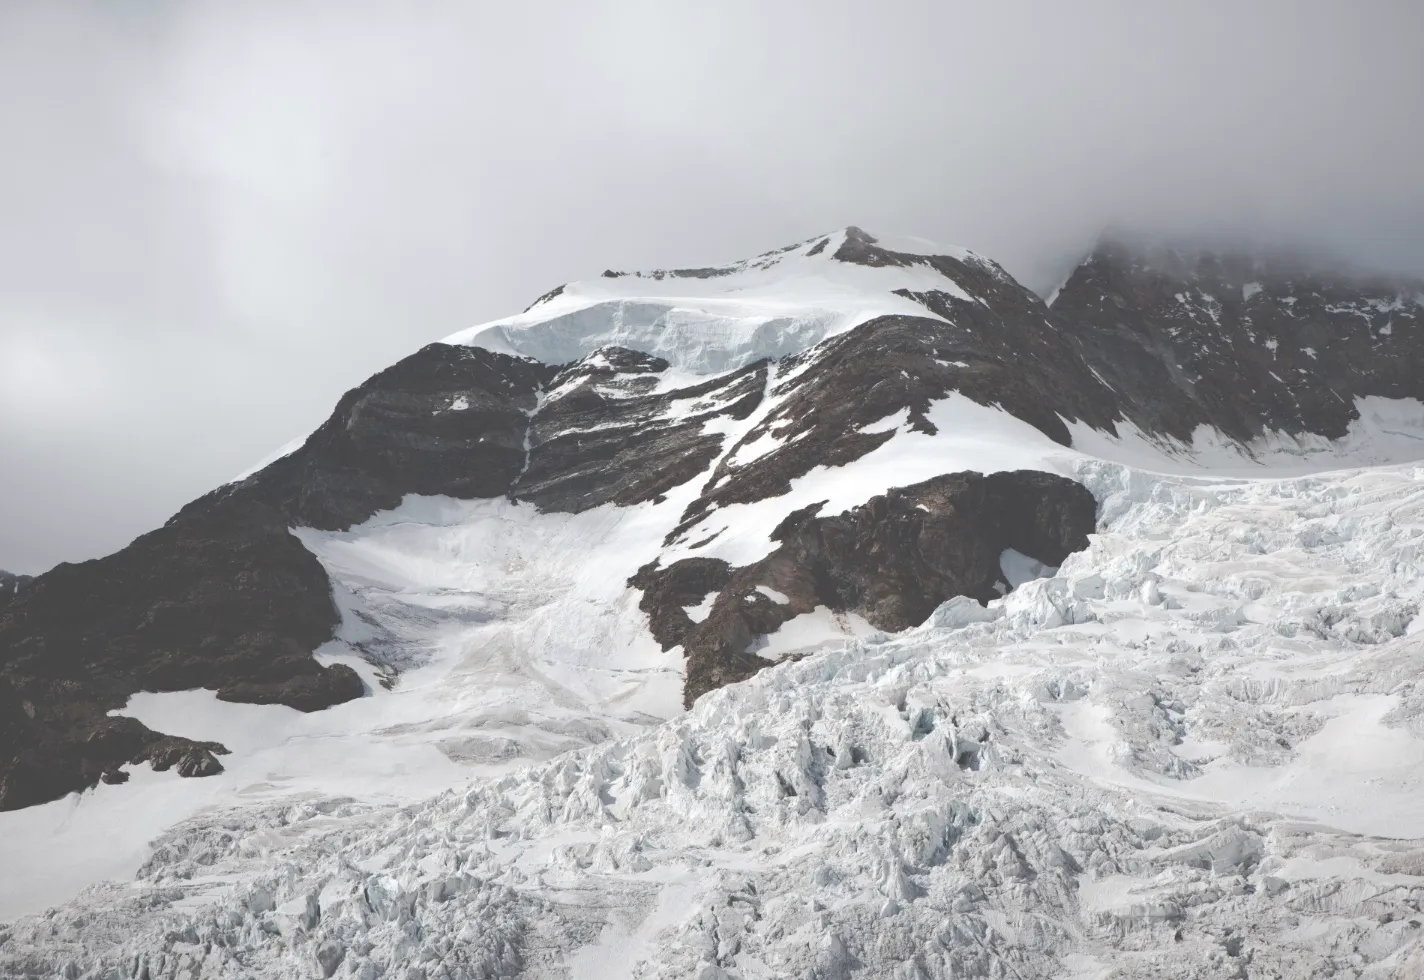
613	395
1239	343
11	583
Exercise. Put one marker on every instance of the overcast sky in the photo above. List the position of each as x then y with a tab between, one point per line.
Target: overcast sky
215	218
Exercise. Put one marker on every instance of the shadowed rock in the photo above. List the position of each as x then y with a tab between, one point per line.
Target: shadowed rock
891	560
11	584
224	597
1244	344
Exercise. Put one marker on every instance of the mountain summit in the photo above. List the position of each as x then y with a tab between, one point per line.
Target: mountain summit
722	466
844	610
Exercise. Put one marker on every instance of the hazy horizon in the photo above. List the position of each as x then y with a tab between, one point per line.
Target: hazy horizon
219	217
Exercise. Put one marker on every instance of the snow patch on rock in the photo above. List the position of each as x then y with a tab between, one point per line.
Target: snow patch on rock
1192	750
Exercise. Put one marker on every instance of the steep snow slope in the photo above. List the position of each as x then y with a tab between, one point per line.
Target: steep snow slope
518	637
714	320
1192	753
503	624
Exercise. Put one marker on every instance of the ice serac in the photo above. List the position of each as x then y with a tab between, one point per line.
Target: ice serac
550	512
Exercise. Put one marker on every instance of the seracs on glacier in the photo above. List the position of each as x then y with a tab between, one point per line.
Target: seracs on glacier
1193	751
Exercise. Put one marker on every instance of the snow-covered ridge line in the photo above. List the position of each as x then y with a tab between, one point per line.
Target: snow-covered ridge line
479	517
713	320
1386	431
1191	753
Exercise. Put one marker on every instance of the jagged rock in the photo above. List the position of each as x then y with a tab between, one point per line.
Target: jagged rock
1241	343
667	592
891	560
224	597
188	758
69	746
11	584
605	438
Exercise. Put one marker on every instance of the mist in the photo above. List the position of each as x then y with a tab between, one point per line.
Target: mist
218	217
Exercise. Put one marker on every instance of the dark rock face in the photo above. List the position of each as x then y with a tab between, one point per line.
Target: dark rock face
891	560
60	747
605	434
224	597
446	420
668	591
1189	337
11	584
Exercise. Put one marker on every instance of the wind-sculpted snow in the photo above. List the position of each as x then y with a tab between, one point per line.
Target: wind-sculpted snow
710	321
1194	752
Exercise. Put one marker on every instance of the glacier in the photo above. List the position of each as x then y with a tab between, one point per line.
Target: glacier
1193	750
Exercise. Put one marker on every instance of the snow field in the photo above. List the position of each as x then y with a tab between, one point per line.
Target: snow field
1195	748
770	306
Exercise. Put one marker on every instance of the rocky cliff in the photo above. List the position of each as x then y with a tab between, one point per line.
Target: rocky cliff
624	399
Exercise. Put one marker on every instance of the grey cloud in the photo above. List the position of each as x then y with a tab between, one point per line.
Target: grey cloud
216	217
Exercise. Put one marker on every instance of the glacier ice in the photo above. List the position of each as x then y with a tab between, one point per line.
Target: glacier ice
1193	752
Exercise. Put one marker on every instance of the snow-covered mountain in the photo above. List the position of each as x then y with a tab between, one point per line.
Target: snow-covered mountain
1243	344
1067	644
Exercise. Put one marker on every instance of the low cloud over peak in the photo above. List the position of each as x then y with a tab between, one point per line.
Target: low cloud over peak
219	217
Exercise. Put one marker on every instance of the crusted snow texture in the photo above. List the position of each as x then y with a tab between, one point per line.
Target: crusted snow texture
1192	753
730	394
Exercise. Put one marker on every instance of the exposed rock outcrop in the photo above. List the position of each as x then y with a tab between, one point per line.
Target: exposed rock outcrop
11	584
891	560
225	597
605	432
1241	343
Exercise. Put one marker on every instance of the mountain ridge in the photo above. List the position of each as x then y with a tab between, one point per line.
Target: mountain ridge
724	403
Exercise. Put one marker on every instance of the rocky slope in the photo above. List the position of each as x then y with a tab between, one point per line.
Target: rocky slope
11	584
761	413
1241	344
1194	753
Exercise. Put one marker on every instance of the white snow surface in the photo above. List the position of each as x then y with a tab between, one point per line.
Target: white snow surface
1194	752
1388	430
1197	742
769	306
809	632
